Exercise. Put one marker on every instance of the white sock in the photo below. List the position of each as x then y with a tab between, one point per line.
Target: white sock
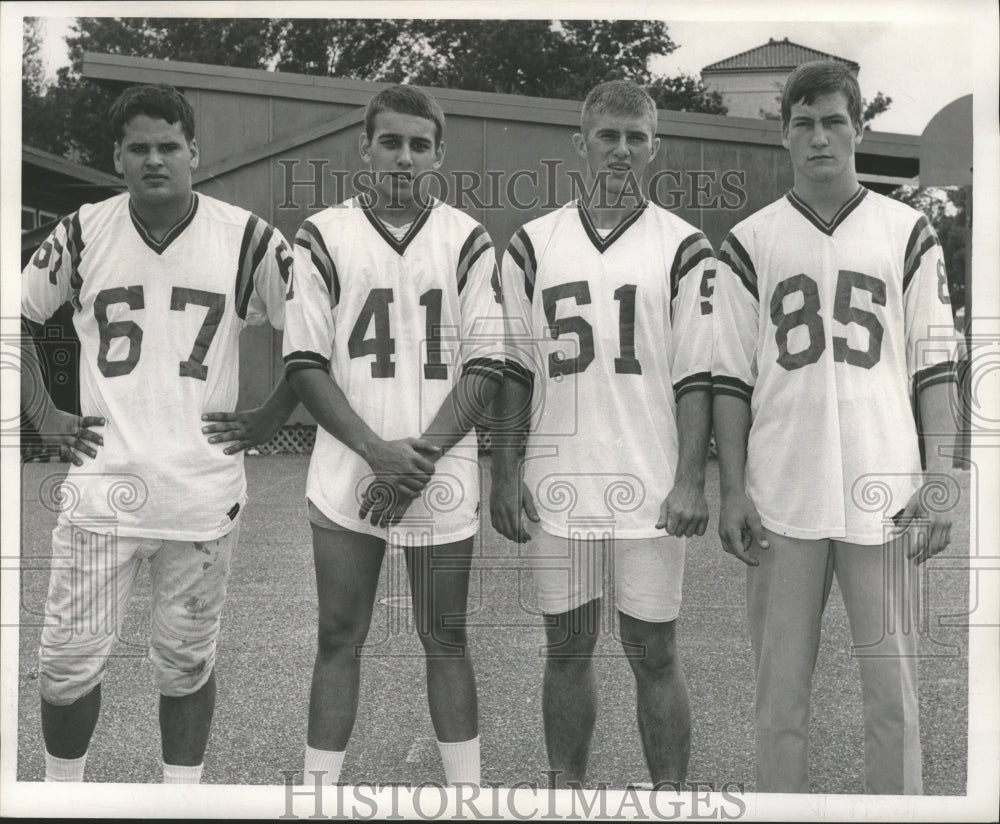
328	762
178	774
461	761
64	769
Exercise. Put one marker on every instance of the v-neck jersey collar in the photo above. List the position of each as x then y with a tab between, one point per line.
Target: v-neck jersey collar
160	246
828	227
602	244
398	244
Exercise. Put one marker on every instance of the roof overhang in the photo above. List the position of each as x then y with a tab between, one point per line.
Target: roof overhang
68	170
750	70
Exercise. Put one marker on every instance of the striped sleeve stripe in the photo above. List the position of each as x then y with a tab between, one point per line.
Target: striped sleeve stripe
74	244
486	367
477	243
256	236
305	360
938	373
57	251
515	372
922	238
722	385
736	258
55	262
310	238
699	381
692	251
523	253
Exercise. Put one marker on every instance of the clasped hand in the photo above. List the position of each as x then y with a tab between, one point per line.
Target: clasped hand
402	469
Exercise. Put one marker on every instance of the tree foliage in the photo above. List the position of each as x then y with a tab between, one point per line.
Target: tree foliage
32	68
545	58
357	49
949	210
870	109
685	93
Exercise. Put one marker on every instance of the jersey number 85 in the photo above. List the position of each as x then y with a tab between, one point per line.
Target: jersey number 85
808	316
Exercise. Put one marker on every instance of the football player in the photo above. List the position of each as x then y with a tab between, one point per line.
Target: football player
162	281
831	302
382	345
608	310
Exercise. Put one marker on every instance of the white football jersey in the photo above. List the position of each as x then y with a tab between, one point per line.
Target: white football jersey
823	328
159	325
609	331
395	321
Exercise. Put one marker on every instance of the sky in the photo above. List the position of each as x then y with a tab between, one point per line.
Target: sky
915	52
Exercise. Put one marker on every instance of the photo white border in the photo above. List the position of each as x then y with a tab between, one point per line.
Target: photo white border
239	801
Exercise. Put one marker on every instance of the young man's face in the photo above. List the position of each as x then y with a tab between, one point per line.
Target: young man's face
402	146
821	138
156	161
617	148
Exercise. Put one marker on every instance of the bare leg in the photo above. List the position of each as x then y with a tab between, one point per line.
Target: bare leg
569	693
662	706
439	582
347	570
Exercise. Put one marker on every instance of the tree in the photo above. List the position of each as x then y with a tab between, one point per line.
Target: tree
686	94
38	119
509	56
597	50
948	210
563	58
358	49
32	69
873	108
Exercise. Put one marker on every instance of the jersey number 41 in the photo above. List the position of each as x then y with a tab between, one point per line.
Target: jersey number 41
383	346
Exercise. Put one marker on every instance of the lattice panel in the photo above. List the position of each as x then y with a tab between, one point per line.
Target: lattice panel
298	438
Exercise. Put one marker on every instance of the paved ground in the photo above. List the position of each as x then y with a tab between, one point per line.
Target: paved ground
266	652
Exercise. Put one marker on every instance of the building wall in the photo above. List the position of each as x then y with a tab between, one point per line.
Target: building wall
746	94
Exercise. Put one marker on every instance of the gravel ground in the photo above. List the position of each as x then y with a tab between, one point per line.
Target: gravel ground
266	651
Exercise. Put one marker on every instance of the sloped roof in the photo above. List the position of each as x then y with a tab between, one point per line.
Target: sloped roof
774	55
67	171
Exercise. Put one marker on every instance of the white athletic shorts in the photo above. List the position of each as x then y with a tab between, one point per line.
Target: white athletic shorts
646	576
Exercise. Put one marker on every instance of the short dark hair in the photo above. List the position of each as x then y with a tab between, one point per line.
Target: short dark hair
158	101
810	80
405	99
620	97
